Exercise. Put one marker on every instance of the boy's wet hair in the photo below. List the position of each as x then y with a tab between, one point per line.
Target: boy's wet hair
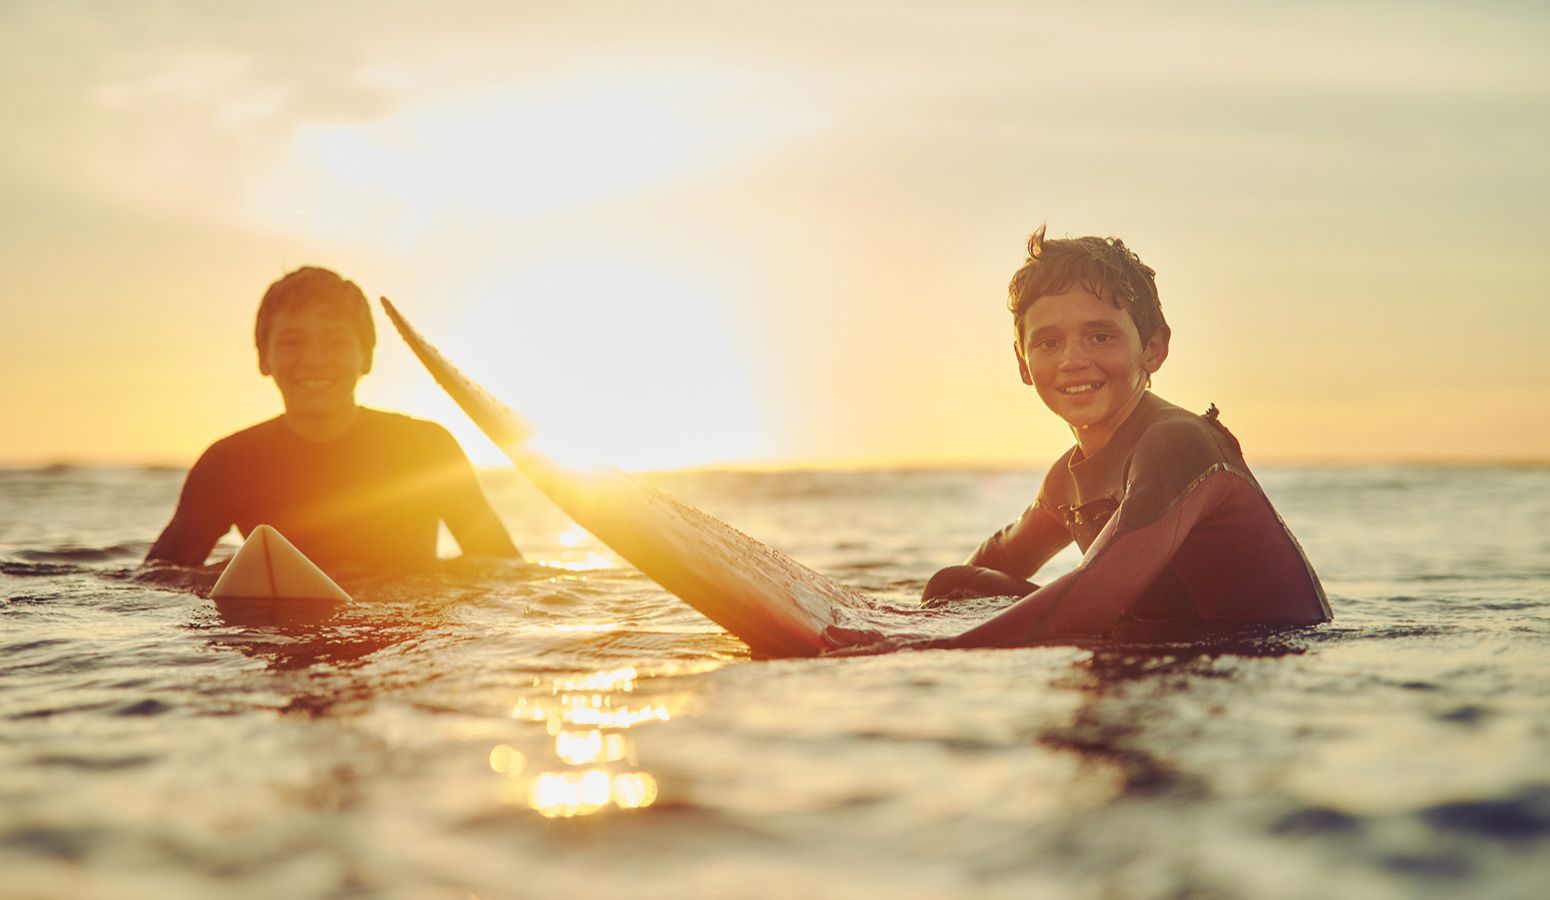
314	284
1105	267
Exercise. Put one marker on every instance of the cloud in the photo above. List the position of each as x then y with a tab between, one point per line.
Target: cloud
520	152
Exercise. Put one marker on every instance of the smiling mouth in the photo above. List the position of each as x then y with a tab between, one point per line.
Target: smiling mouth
1078	389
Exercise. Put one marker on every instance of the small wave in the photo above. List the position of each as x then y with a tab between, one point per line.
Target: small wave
1468	715
1508	605
146	707
1337	633
14	650
1524	816
76	553
865	565
1316	820
93	763
36	570
194	579
1430	865
48	712
1526	573
23	599
65	844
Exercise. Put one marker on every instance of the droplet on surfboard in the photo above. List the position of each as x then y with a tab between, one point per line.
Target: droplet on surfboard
269	567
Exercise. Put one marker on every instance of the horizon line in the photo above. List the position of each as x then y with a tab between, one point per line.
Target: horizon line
873	464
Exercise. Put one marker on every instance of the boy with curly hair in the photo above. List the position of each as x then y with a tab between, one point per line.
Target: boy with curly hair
1175	532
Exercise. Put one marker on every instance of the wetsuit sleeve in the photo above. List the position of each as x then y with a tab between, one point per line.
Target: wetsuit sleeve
1022	547
462	505
1174	484
200	518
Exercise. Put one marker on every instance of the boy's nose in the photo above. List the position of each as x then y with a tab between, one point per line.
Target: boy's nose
1073	357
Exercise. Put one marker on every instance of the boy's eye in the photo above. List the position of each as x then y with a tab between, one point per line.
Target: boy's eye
1102	338
1046	345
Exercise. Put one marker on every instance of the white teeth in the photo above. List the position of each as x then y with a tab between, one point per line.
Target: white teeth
1079	389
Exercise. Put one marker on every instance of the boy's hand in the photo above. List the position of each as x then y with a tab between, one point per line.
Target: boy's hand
866	642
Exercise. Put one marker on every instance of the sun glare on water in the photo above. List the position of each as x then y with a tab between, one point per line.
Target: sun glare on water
588	719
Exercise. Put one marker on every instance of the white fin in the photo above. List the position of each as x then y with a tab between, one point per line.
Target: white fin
269	566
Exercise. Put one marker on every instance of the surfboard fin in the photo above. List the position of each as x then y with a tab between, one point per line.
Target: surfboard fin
269	567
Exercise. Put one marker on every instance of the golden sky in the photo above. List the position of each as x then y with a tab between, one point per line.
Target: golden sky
683	233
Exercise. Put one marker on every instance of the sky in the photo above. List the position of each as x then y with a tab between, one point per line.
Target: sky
720	233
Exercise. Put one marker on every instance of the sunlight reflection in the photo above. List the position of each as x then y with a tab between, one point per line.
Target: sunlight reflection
634	790
507	760
612	680
582	747
586	627
585	716
592	562
623	717
570	793
584	555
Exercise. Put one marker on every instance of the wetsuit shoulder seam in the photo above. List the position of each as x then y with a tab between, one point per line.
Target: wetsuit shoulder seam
1240	471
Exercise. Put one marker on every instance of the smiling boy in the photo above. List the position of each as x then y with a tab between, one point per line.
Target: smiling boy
349	486
1174	530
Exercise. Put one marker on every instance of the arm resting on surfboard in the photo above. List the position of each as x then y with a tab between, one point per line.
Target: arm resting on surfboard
1117	568
1002	565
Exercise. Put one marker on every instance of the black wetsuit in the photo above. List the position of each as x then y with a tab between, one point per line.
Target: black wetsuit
1173	527
370	498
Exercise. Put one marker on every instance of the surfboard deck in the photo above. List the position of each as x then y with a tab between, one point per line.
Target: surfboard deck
777	606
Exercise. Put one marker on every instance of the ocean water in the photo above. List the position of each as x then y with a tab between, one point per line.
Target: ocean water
567	729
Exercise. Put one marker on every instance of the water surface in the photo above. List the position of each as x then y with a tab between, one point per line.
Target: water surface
568	728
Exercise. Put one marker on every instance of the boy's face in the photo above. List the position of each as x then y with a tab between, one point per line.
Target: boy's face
315	358
1086	359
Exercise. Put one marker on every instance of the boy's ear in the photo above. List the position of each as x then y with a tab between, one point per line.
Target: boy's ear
263	364
1156	350
1022	363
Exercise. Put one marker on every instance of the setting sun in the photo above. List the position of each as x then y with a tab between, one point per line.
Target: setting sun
613	361
674	242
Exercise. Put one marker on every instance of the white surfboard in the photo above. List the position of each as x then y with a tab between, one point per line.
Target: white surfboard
776	605
269	567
